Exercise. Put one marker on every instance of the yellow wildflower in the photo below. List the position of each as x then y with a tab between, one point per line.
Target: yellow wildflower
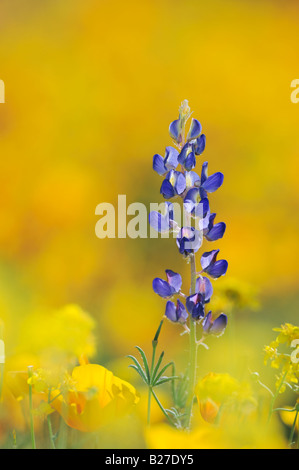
94	397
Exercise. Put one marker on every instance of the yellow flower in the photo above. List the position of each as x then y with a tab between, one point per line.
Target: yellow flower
216	390
289	369
208	436
231	294
94	397
287	333
58	337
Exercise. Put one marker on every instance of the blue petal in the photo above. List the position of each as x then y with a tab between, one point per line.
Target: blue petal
204	287
216	232
195	306
174	280
190	161
208	257
192	198
207	322
167	189
200	145
195	129
217	269
219	325
174	131
158	164
202	208
181	312
204	172
191	177
159	222
184	153
162	288
189	240
170	311
213	182
180	184
171	158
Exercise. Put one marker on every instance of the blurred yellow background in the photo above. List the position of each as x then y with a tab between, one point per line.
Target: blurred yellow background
91	88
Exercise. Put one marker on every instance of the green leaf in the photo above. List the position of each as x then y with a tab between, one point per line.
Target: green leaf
163	380
139	366
162	371
157	367
139	372
144	362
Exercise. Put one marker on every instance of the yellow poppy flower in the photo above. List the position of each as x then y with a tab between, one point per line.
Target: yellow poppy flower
94	397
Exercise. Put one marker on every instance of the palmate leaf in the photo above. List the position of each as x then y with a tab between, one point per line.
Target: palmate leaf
163	380
162	372
138	368
157	367
142	354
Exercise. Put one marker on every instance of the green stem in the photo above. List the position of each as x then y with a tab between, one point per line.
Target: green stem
161	407
193	351
30	370
293	429
50	423
150	391
1	379
275	396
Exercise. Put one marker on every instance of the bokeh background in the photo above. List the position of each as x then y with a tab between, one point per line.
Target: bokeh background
91	87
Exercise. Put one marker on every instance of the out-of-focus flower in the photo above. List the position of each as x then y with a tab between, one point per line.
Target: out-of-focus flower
283	359
243	435
93	397
170	287
234	295
58	336
287	333
226	392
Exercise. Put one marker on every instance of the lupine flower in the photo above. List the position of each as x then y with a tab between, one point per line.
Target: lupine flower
167	289
215	327
204	287
214	232
195	302
189	240
187	157
212	267
173	185
163	222
176	313
195	306
169	162
200	145
206	184
195	205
